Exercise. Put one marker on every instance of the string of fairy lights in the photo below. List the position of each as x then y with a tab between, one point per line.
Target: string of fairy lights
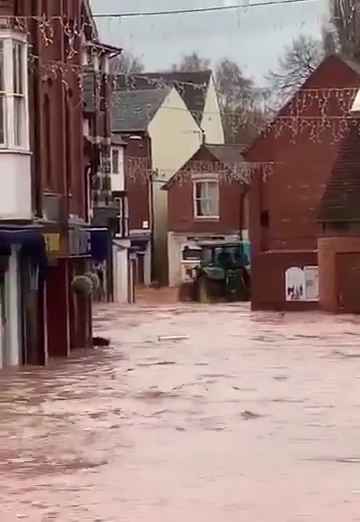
318	113
139	170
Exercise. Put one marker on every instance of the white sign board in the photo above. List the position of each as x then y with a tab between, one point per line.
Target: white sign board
302	284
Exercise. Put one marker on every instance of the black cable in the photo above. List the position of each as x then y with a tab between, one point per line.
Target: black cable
201	9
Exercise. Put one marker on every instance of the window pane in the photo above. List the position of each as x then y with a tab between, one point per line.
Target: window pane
212	190
207	207
18	68
18	106
213	207
2	65
213	199
199	189
206	198
2	120
115	161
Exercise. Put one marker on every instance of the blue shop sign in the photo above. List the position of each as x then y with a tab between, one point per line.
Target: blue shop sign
100	244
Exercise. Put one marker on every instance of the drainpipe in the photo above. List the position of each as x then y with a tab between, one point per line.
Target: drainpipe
35	126
241	217
203	137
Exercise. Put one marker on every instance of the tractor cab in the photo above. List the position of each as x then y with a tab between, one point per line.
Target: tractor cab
224	271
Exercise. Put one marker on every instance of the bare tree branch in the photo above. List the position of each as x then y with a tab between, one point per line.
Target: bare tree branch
294	67
126	63
345	16
192	63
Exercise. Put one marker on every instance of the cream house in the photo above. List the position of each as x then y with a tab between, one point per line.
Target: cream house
178	112
198	92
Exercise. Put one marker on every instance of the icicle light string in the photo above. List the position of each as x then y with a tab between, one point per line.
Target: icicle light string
138	169
214	9
328	99
331	105
302	100
313	112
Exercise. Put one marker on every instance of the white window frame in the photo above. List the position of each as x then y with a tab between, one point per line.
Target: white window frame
119	176
8	40
115	150
105	64
206	179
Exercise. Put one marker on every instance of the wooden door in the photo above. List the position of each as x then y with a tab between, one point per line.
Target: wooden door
140	272
348	282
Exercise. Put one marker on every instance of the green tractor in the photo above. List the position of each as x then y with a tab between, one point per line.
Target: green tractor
224	271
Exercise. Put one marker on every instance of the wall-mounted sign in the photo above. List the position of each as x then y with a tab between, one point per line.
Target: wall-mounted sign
52	243
302	284
79	242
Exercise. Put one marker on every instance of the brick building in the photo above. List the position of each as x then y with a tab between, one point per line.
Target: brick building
176	111
44	197
207	200
101	155
339	244
301	145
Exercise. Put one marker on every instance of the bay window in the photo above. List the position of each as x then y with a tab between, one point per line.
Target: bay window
2	94
14	132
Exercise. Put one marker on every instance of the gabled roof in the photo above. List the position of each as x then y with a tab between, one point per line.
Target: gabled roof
341	200
118	140
224	155
192	87
285	108
91	31
133	110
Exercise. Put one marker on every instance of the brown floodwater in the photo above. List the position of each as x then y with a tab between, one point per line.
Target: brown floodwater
195	413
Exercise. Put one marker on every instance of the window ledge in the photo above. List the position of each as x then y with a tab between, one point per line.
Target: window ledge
50	193
204	177
6	150
207	218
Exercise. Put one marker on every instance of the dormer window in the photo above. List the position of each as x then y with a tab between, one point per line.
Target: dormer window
14	133
206	197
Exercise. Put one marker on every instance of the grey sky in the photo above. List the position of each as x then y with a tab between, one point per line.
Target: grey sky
254	37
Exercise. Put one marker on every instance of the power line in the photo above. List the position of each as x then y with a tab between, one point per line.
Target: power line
201	9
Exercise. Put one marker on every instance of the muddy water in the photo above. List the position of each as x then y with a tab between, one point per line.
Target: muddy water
249	418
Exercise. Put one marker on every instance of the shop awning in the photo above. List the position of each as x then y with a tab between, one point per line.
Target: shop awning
100	243
29	238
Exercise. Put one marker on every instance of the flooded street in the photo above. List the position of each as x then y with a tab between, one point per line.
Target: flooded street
244	418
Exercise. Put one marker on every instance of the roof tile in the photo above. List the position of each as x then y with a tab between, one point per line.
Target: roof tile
341	200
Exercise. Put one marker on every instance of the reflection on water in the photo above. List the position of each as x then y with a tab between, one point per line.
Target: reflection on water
250	417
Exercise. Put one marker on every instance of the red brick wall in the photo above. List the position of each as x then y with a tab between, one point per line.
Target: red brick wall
268	280
181	206
292	193
138	165
66	173
289	197
57	168
335	270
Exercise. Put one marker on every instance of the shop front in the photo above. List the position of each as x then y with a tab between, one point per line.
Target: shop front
101	261
68	311
22	275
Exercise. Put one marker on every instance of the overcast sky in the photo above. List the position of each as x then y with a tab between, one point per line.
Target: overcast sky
253	37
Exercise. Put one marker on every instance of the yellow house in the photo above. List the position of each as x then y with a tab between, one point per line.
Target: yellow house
179	112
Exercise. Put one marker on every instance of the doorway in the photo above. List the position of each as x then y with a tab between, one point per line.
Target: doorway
140	269
3	322
348	282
